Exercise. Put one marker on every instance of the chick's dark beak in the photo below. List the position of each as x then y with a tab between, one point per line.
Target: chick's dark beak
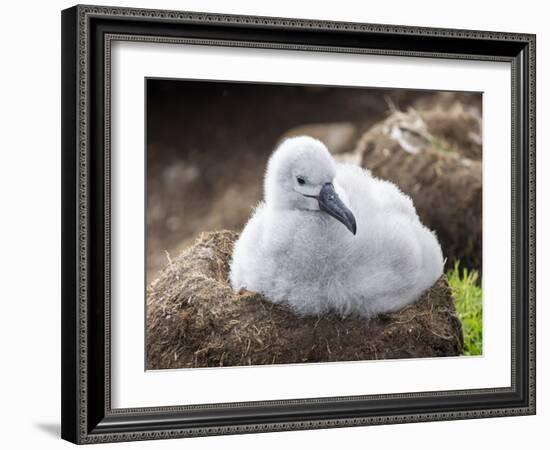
330	203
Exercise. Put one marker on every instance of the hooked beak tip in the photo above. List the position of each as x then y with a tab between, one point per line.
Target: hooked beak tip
330	203
350	224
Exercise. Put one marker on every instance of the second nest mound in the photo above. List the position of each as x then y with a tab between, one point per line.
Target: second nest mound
194	319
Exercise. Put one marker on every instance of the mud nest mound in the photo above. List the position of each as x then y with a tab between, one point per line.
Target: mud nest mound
444	183
194	319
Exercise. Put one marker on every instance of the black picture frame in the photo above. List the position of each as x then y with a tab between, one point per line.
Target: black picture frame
87	32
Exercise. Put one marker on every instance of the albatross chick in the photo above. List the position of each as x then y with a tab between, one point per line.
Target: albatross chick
330	237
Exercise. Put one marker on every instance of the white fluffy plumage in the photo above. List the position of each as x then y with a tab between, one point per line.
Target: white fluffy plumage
293	251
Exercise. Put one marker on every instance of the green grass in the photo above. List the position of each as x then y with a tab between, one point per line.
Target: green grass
442	146
467	294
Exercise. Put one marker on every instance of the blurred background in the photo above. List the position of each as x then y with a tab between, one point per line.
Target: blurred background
208	144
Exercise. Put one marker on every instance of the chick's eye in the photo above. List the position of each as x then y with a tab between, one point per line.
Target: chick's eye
300	180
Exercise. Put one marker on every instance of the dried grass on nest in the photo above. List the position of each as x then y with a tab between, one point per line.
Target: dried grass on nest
194	319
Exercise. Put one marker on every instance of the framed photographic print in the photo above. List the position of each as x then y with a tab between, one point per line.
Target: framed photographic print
279	224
